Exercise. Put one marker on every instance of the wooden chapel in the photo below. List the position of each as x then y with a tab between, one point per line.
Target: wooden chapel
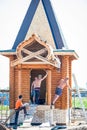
39	47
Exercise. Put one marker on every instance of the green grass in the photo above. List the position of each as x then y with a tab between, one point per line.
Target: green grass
77	103
4	107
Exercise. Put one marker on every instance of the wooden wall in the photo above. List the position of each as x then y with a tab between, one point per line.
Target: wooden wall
20	81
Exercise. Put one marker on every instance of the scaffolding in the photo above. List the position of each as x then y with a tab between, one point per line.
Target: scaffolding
77	93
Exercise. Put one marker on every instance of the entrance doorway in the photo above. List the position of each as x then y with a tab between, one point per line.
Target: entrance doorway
35	73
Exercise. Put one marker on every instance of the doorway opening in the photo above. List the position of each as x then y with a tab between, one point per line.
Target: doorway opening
35	73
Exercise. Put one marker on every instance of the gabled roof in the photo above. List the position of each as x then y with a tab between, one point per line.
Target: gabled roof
55	29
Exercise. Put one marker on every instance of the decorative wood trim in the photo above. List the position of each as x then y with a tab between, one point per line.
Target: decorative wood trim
30	40
31	55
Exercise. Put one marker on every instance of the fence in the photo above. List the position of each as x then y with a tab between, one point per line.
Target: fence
4	105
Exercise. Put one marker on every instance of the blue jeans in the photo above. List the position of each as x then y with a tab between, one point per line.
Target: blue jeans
37	96
33	93
17	113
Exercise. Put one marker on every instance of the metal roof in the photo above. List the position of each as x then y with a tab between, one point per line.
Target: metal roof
54	26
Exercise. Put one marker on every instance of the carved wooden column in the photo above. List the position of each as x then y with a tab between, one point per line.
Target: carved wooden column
49	87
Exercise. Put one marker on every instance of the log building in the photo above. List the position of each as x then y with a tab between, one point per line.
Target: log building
39	47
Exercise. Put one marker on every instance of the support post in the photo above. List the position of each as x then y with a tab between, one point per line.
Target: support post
19	81
29	84
49	87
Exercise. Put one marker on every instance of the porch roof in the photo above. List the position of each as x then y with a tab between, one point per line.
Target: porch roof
61	52
8	52
65	52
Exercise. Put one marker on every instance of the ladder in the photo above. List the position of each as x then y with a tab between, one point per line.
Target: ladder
79	95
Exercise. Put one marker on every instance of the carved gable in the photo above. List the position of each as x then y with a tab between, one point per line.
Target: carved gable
34	50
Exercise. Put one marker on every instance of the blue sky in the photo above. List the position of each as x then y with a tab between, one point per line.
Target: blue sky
72	17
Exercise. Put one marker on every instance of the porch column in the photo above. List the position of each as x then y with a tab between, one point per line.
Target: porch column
19	81
29	83
12	83
65	73
49	87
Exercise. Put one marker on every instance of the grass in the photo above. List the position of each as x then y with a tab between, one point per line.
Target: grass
76	103
4	107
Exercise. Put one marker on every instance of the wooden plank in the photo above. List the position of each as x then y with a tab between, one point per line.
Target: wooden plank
35	66
45	60
15	62
21	61
31	54
34	53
